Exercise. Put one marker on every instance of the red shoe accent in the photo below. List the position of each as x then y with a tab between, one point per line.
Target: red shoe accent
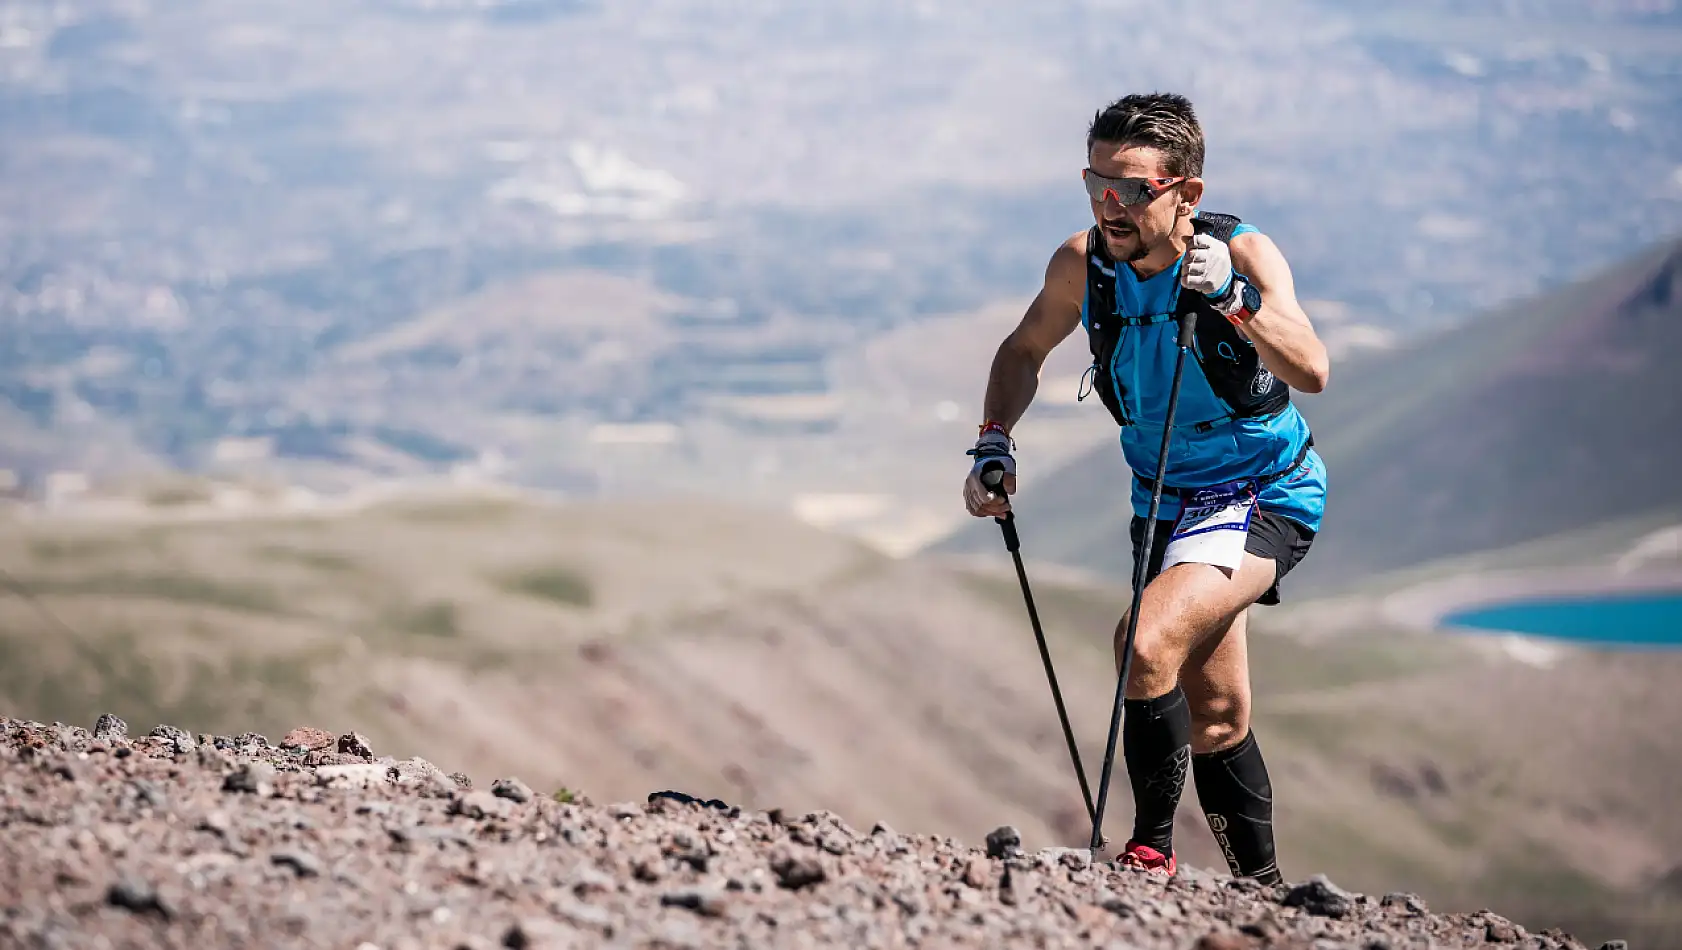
1148	859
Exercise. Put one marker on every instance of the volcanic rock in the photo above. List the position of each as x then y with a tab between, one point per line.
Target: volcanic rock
256	847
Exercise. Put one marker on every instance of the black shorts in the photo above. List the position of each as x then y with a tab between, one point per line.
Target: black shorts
1272	535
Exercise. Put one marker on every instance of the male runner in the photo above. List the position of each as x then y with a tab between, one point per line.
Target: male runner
1150	253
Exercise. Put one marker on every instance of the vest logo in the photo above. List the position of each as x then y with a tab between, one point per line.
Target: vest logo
1262	381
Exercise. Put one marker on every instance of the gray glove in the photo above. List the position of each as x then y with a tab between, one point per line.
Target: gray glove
993	446
1208	267
992	449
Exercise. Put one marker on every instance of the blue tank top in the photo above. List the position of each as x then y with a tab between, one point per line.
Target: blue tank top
1223	451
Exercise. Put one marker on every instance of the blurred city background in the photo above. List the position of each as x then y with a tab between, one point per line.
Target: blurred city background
581	391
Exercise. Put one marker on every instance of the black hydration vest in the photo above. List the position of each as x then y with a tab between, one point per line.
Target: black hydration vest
1245	384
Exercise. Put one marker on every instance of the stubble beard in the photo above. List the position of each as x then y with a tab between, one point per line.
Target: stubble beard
1133	250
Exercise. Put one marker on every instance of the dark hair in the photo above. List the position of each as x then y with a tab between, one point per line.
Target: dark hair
1161	120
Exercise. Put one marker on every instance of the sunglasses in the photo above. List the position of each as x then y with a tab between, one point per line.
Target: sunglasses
1126	191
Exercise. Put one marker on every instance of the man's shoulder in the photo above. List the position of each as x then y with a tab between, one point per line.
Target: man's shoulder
1065	275
1068	261
1075	246
1250	245
1243	237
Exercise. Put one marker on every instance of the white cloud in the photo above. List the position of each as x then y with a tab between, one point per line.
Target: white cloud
607	185
1463	63
1449	227
607	171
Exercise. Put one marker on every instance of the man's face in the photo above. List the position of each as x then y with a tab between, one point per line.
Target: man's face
1132	231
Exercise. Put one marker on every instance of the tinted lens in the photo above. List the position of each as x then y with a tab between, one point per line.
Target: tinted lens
1128	191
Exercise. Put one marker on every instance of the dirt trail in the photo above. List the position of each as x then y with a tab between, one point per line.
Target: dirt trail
171	840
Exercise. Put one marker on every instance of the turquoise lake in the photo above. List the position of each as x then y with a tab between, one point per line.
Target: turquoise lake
1646	619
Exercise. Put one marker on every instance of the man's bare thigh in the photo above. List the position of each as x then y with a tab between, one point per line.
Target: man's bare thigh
1186	605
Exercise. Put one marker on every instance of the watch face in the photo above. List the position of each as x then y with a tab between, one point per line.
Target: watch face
1252	297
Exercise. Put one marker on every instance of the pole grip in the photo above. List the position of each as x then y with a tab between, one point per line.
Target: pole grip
992	479
1188	321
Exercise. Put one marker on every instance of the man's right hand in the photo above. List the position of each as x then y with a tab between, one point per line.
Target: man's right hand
992	450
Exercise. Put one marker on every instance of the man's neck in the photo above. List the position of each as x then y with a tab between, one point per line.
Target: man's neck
1164	257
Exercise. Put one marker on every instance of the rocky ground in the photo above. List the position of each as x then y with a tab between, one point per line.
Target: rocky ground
172	840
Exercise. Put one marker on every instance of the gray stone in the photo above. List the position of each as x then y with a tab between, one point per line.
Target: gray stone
137	895
1320	897
512	789
256	778
1498	929
1004	842
1072	858
355	743
210	758
179	739
419	774
797	871
110	728
479	805
1410	903
704	901
350	776
73	738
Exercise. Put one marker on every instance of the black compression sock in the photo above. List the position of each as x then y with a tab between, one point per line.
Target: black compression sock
1237	800
1156	743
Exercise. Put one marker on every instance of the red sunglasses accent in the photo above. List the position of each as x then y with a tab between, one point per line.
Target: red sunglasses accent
1126	191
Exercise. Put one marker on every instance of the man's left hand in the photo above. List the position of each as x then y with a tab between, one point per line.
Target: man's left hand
1208	266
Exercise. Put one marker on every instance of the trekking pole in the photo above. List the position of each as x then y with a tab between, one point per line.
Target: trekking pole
992	477
1187	322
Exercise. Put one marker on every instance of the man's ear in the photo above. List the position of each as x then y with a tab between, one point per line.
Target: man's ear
1191	192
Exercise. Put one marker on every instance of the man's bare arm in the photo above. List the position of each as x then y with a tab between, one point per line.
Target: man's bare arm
1053	315
1282	333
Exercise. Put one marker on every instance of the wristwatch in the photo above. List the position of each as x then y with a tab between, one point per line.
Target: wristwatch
1240	302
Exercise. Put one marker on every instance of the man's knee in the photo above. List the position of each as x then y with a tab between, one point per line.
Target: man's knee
1158	654
1218	722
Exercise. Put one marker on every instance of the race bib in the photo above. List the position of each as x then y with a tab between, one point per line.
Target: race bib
1213	525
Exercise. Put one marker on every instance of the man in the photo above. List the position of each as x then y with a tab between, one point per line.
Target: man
1237	441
